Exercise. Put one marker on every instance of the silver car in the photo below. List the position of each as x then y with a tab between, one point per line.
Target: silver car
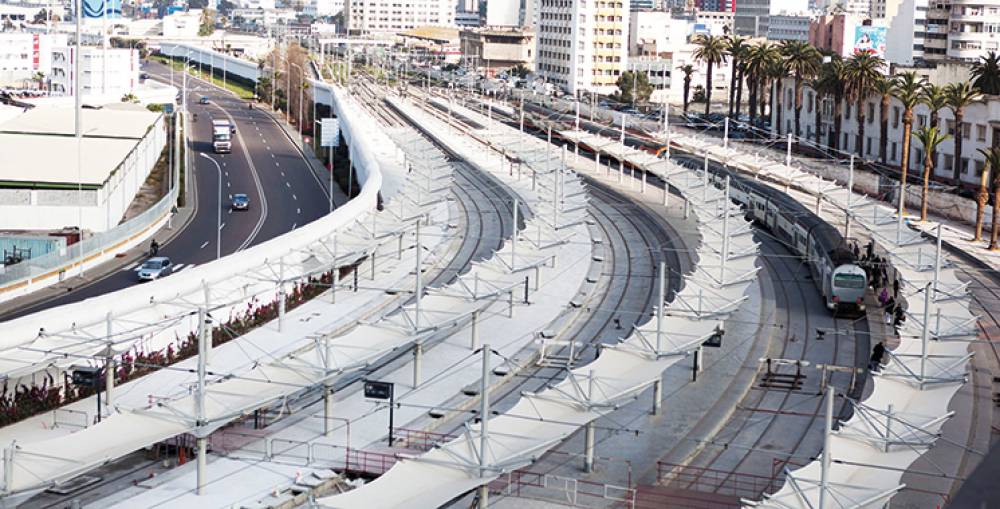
155	268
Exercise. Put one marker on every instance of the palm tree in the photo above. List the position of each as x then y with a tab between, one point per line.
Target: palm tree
930	138
992	165
908	89
835	73
735	47
820	87
803	61
884	87
711	50
861	71
759	60
960	95
775	73
688	70
935	98
986	74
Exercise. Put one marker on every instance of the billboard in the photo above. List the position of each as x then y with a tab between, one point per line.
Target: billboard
98	8
869	39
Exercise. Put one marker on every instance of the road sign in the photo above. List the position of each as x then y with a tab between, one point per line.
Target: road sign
378	390
330	130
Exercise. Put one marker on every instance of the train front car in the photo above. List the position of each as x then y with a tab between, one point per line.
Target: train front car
848	284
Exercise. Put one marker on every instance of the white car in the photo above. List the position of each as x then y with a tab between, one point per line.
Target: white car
155	268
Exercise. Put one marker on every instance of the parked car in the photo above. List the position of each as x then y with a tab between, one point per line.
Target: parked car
241	202
155	268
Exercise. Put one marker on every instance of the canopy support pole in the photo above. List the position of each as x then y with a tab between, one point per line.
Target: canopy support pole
334	273
109	367
418	290
418	354
827	432
484	414
657	397
850	194
475	330
937	263
513	238
724	255
281	294
588	458
924	332
202	441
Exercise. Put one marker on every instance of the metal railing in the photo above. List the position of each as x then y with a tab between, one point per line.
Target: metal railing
59	263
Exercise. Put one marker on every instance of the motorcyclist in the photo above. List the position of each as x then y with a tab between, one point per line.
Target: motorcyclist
250	105
154	248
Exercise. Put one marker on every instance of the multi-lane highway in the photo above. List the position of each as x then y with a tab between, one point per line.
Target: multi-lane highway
264	164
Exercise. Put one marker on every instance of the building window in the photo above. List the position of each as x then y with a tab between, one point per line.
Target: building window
950	127
980	166
871	113
965	166
892	154
949	164
966	130
895	117
980	132
921	121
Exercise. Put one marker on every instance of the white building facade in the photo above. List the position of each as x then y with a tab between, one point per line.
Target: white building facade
974	28
981	125
22	55
392	16
582	45
111	72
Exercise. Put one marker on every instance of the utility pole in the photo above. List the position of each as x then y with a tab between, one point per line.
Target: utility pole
484	420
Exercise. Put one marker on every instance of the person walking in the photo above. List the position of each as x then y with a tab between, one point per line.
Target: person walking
883	297
878	353
154	248
888	310
899	318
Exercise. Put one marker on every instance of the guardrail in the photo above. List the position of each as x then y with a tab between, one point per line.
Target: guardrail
53	267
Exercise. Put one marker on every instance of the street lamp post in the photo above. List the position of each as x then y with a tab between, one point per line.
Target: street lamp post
218	221
302	80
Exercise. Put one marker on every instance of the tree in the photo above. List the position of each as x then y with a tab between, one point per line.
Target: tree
908	89
861	72
883	87
736	47
820	88
803	61
986	74
930	138
688	70
518	70
207	26
935	98
775	73
633	87
835	74
960	95
759	60
130	98
992	165
711	50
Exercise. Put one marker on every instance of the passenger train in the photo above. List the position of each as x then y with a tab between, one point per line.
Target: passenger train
841	282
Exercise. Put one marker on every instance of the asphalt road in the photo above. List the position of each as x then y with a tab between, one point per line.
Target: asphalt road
264	164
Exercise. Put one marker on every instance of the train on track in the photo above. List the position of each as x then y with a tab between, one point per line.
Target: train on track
834	266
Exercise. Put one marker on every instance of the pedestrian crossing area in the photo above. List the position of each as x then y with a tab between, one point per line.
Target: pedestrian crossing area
177	268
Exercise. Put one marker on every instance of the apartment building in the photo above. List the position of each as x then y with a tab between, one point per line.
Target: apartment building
106	72
582	45
22	55
753	17
973	28
390	16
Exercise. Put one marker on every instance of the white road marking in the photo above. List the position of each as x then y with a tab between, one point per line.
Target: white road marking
288	185
227	184
294	225
178	267
294	197
272	156
282	174
227	174
133	269
276	163
298	211
203	245
223	226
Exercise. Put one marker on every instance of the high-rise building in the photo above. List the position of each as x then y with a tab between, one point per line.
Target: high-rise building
108	72
391	16
715	5
973	30
752	18
907	24
582	44
503	13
